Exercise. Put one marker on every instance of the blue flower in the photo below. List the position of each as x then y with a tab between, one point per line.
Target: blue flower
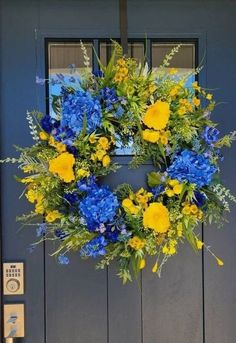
199	199
41	229
98	73
156	191
192	167
210	135
60	234
72	198
99	206
63	259
94	248
46	123
86	184
77	105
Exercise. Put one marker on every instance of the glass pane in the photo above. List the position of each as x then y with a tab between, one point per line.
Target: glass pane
65	60
184	60
135	50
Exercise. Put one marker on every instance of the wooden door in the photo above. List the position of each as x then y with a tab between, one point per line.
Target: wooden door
193	302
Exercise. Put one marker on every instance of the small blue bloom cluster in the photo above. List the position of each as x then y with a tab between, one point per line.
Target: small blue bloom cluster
210	135
41	229
156	191
63	259
99	206
192	167
75	106
111	101
94	248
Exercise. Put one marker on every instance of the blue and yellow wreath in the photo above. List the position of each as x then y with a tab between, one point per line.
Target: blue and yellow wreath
167	123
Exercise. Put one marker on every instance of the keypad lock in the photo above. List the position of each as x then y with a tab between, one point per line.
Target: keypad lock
13	278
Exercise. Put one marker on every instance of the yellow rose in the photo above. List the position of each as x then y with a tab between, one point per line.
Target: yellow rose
106	161
103	142
52	216
100	154
157	115
156	217
63	166
151	136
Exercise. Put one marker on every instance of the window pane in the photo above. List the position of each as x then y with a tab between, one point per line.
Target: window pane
183	60
63	55
135	50
65	60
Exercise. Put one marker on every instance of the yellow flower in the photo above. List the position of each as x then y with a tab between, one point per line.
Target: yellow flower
186	210
173	182
92	138
196	101
179	229
27	169
199	244
151	136
43	136
156	217
52	216
219	262
39	208
178	189
129	206
121	62
118	78
209	96
194	209
173	71
136	243
63	166
82	173
155	268
106	161
169	192
60	147
182	110
142	263
152	88
100	154
164	135
27	180
123	71
174	91
103	142
31	195
196	86
142	197
157	115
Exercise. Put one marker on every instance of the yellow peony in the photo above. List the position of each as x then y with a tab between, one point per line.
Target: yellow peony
151	136
63	166
157	115
156	217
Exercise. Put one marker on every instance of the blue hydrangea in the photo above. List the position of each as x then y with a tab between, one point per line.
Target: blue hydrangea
94	248
86	184
192	167
210	135
77	105
99	206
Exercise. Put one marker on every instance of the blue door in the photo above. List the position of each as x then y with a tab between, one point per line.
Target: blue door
193	302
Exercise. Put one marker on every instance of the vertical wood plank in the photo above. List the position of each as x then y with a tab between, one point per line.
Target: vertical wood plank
18	94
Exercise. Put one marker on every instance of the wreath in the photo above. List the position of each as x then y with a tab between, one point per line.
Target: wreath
166	121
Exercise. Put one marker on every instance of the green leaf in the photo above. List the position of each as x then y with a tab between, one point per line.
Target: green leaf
154	179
